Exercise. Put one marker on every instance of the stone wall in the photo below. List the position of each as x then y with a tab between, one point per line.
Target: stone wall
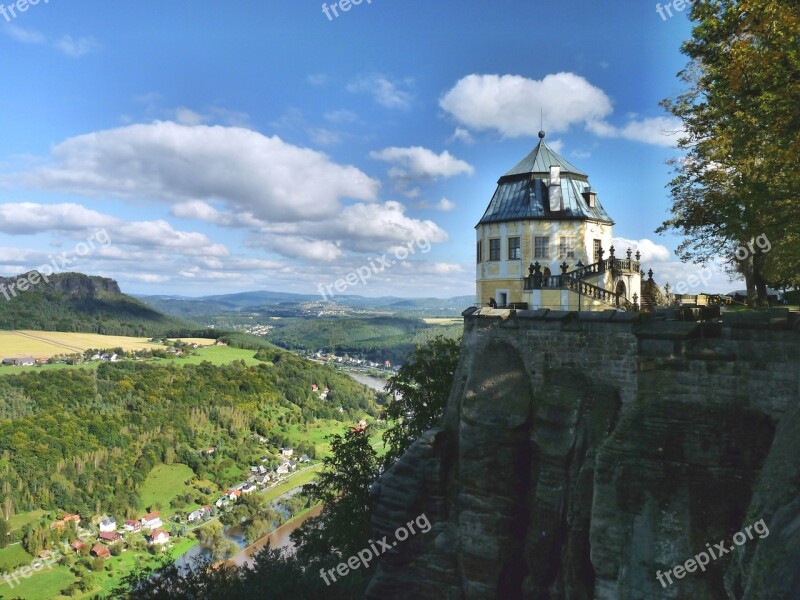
581	453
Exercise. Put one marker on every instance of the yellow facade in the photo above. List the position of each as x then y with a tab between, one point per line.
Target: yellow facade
494	278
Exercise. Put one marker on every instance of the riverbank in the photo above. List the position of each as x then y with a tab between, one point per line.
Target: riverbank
279	538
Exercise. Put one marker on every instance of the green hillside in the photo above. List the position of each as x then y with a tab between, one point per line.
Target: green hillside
80	303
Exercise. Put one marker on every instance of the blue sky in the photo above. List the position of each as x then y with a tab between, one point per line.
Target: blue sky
263	145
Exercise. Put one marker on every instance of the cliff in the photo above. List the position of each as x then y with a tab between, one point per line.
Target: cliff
581	454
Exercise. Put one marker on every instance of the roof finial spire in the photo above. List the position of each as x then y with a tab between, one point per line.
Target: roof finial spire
541	124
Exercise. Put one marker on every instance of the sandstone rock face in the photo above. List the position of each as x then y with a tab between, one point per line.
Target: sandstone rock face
581	454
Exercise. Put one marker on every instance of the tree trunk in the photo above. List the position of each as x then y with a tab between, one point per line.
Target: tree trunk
761	288
748	271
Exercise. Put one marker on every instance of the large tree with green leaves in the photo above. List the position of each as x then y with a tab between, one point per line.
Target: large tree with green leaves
737	180
420	389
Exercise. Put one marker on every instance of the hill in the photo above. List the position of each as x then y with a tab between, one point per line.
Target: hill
283	304
80	303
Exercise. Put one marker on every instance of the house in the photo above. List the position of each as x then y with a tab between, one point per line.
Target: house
132	526
248	488
100	551
234	494
224	501
199	514
110	537
262	479
314	387
42	360
108	525
78	546
159	537
282	469
304	458
152	520
22	361
287	452
545	241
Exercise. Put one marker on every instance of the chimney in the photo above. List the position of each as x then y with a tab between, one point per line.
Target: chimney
554	187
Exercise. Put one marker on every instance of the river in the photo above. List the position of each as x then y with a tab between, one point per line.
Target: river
374	382
278	538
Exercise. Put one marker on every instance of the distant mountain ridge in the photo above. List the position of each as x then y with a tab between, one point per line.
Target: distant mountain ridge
80	303
186	307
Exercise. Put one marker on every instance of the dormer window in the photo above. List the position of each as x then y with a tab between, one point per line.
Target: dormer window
591	197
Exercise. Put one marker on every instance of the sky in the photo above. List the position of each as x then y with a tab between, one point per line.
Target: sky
188	148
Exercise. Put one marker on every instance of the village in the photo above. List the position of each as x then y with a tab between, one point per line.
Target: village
105	537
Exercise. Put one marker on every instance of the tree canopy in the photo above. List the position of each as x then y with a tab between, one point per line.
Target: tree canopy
737	180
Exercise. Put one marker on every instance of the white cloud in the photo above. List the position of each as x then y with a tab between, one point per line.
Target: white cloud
445	205
418	163
659	131
385	92
174	163
186	116
462	135
650	250
76	48
25	36
358	228
203	211
27	218
510	104
325	137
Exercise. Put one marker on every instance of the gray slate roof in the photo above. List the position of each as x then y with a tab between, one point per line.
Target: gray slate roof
522	193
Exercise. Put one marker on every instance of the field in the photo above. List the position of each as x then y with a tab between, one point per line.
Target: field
163	484
443	320
50	343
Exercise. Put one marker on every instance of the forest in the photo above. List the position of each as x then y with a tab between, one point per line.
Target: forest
84	441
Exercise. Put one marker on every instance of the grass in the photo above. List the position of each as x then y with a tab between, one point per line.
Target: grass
220	355
44	585
298	480
163	484
128	561
12	557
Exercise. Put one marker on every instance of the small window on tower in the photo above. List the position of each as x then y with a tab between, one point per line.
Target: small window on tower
480	250
494	249
598	245
513	249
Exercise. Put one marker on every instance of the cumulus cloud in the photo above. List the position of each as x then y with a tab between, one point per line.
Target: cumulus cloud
385	92
359	228
650	250
510	104
659	131
174	163
421	164
26	218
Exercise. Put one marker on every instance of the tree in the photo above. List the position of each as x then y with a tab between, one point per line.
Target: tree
742	139
420	389
343	526
5	533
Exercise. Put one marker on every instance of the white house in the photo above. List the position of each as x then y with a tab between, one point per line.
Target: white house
159	537
152	520
108	525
